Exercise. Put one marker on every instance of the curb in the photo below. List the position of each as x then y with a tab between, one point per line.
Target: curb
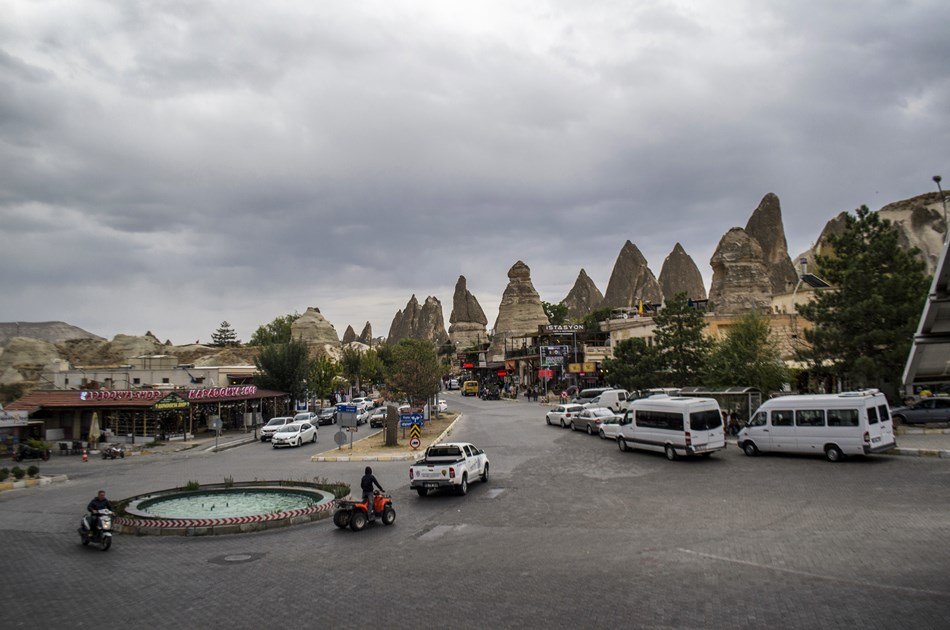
32	483
386	458
919	452
229	445
920	431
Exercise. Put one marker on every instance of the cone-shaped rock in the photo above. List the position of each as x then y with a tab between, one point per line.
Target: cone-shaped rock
367	335
583	297
681	275
765	226
467	321
419	322
741	281
313	328
349	335
520	311
631	280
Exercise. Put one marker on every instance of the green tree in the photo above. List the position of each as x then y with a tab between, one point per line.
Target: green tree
864	325
557	313
680	341
416	371
284	367
748	356
371	367
321	374
224	336
592	320
635	365
351	361
277	331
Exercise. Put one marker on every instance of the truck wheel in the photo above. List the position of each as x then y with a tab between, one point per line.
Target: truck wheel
341	518
462	489
357	521
422	491
670	452
389	516
485	474
833	453
622	443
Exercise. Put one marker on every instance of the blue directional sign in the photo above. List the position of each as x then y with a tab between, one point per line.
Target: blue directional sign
346	408
409	419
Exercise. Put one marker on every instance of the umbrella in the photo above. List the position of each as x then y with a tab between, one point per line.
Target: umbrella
94	429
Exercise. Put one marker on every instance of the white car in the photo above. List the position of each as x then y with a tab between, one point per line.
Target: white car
268	430
610	427
442	406
562	414
294	434
362	403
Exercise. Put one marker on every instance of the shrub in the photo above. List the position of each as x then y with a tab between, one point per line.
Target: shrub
192	485
33	471
228	481
4	473
18	473
39	444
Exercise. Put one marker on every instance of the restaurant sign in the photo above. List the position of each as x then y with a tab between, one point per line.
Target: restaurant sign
206	393
561	329
171	403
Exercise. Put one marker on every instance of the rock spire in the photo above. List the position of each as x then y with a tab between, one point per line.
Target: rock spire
631	280
467	321
349	335
583	297
313	328
765	226
417	321
520	311
367	335
741	280
681	275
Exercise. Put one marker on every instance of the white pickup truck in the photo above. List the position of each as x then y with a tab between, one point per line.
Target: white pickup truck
450	465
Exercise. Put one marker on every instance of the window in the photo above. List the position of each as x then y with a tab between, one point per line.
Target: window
925	404
885	415
666	420
165	380
940	403
136	381
705	420
872	415
842	417
67	380
622	396
810	418
783	418
758	420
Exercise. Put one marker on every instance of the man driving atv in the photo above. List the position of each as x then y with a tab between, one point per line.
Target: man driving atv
366	485
100	502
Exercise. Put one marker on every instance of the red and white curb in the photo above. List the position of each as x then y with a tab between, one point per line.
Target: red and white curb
218	522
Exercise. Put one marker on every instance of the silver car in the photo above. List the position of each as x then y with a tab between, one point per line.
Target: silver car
562	414
590	420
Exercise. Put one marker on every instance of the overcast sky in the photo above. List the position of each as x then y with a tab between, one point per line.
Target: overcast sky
168	165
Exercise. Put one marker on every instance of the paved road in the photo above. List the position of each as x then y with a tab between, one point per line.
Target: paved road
568	533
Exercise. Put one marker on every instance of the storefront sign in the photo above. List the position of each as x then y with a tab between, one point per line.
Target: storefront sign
554	355
545	373
221	392
157	394
171	403
561	329
574	368
9	419
589	366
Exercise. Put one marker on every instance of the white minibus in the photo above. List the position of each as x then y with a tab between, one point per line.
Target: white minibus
674	426
850	423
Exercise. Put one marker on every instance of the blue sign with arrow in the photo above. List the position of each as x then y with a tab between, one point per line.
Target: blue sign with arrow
346	408
409	419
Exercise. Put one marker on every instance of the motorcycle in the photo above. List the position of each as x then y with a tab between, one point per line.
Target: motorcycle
111	452
102	535
353	514
30	452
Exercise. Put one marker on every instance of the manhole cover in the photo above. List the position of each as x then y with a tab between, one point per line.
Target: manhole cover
236	558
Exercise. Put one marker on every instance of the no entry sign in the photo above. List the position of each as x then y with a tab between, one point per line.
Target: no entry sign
415	443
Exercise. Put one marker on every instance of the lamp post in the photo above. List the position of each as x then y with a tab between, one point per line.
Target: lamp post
946	229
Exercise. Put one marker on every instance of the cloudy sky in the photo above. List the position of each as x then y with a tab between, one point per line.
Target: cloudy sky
168	165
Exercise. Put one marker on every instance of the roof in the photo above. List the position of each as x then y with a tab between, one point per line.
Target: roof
843	397
708	391
145	398
929	358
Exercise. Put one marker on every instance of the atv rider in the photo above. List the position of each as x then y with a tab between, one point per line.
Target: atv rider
100	502
366	485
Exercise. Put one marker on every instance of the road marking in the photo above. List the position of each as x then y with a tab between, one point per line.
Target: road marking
494	492
814	575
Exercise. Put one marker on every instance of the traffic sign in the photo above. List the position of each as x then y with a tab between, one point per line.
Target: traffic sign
339	437
410	419
415	431
346	408
415	442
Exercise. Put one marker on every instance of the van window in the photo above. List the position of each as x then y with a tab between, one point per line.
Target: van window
842	417
872	415
882	409
810	418
782	418
659	420
705	420
758	420
622	396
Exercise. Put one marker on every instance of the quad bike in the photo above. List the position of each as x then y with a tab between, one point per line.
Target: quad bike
111	452
353	514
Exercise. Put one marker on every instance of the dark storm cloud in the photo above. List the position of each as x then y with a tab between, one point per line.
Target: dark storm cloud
169	165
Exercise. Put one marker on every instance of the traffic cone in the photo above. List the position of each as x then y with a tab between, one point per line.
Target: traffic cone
85	455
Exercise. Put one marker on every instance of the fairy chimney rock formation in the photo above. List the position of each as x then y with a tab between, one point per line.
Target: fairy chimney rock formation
631	280
417	321
741	282
317	332
366	337
349	335
681	275
520	311
583	297
765	226
467	321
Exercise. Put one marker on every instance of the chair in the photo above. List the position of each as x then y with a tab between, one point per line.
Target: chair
63	448
77	447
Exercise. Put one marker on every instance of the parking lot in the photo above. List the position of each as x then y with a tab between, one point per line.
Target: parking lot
569	532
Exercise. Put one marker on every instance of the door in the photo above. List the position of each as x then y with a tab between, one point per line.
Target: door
781	430
758	431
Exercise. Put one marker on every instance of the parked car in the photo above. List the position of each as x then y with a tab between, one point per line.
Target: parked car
306	416
613	399
268	430
294	434
363	403
674	426
470	388
610	428
327	415
442	406
452	384
448	466
562	414
924	411
590	419
377	419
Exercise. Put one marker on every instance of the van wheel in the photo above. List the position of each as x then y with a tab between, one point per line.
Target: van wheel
670	452
750	449
622	443
833	453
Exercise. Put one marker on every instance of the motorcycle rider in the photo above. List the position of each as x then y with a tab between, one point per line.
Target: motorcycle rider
100	502
366	485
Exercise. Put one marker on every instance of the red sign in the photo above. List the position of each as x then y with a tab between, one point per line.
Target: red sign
156	394
545	373
502	373
468	366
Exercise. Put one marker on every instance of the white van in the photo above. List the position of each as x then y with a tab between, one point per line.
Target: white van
675	426
588	395
851	423
613	399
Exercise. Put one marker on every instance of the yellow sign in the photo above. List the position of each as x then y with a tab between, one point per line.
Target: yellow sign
589	366
586	367
170	402
415	431
574	368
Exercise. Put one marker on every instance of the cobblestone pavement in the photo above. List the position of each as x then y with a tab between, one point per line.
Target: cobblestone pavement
569	532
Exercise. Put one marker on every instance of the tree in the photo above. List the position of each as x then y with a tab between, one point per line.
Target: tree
416	370
748	356
320	376
557	313
371	367
680	341
278	331
224	336
351	361
592	320
635	365
284	367
864	325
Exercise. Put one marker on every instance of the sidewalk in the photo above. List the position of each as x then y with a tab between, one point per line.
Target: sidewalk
203	442
929	444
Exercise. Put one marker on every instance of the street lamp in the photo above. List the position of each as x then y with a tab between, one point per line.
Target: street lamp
946	228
